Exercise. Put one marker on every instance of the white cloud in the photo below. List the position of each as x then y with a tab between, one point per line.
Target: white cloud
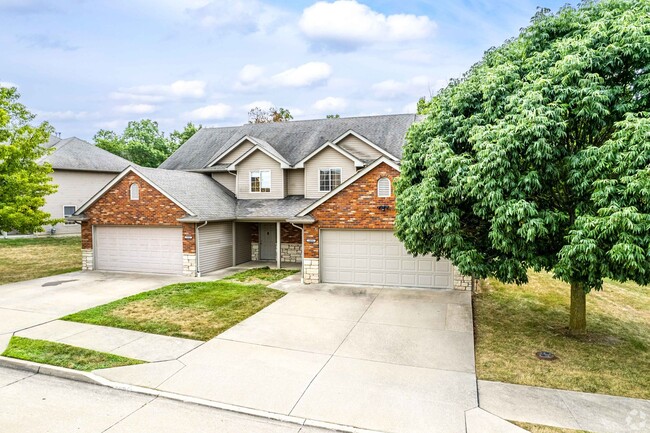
8	84
416	86
250	76
346	24
330	103
237	16
303	75
210	112
264	105
65	115
410	108
137	108
180	89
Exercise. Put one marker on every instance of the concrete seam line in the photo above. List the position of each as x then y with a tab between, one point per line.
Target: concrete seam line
566	405
80	376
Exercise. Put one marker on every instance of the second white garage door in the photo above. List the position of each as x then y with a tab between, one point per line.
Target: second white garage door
139	249
377	257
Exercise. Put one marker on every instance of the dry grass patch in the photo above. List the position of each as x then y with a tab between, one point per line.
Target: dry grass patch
537	428
198	311
513	322
29	258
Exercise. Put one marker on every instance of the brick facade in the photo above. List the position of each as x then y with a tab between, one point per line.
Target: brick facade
152	209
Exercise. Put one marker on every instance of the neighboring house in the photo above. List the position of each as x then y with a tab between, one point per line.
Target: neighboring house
80	170
318	192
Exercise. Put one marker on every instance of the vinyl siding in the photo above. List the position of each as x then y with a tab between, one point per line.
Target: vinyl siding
226	179
75	189
295	181
327	158
243	243
259	161
215	247
358	148
235	153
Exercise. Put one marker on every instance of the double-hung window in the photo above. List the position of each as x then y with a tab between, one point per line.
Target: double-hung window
68	211
329	178
261	181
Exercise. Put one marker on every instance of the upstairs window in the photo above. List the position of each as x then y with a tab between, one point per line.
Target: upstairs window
383	187
68	211
134	192
261	181
329	178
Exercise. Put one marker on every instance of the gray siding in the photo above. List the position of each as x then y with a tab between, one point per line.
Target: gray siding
358	148
295	181
215	247
226	179
75	189
242	243
259	161
235	153
327	158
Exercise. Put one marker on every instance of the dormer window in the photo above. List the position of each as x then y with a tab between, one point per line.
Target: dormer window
329	178
134	192
383	187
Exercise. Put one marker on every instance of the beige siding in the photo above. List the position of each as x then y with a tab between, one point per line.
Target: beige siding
215	246
327	158
259	161
295	181
359	148
226	179
235	153
242	243
75	189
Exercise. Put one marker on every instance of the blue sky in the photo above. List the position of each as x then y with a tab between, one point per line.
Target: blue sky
83	65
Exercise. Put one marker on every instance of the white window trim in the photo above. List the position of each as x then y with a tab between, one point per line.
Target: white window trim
329	168
75	209
131	191
250	177
390	187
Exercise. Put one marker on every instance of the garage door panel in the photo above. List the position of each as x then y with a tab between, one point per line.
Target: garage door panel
139	249
378	257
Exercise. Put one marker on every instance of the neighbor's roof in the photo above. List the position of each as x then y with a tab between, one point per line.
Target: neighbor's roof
272	208
293	140
198	193
76	154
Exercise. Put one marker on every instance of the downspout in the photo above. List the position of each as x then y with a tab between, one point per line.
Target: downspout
302	251
198	268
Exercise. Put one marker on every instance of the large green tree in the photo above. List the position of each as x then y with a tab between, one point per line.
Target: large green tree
259	115
24	182
178	138
539	157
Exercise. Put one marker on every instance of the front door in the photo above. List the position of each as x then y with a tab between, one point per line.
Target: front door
268	240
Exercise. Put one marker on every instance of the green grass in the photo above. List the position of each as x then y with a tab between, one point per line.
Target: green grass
537	428
63	355
29	258
198	311
513	322
262	275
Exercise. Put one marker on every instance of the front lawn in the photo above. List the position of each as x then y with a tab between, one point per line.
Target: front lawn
199	311
63	355
513	322
29	258
264	275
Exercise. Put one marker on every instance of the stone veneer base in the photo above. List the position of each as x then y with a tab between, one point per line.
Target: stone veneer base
87	259
189	265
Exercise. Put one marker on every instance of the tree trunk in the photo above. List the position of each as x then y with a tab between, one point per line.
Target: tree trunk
578	310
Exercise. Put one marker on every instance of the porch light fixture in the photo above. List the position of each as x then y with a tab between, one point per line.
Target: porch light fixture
383	207
546	356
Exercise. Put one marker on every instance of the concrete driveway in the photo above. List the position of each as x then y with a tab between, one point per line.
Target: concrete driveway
382	359
29	303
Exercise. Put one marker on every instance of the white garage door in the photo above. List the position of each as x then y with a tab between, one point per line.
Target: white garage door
139	249
377	257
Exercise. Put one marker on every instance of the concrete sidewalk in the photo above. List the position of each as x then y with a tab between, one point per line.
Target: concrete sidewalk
566	409
123	342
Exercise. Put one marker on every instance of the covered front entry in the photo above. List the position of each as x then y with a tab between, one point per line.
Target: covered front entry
138	249
377	257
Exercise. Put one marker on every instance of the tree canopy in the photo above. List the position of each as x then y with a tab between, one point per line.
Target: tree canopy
258	115
539	156
24	182
143	143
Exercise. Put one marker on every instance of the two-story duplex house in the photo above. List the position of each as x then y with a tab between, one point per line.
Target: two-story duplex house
318	192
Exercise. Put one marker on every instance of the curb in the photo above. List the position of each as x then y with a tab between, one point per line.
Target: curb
93	379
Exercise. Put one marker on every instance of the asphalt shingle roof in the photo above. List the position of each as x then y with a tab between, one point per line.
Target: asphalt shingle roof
76	154
272	208
293	140
197	192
